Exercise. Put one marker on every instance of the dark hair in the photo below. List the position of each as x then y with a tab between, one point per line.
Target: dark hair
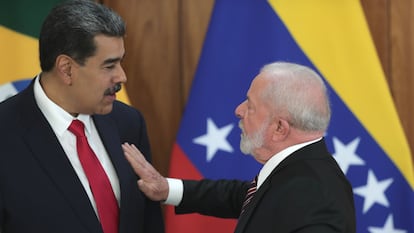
70	29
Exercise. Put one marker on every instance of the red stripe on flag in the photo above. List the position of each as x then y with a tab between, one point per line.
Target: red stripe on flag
181	167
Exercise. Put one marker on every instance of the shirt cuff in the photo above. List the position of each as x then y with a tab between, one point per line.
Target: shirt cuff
175	194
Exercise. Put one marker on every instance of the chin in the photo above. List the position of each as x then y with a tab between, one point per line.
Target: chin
245	148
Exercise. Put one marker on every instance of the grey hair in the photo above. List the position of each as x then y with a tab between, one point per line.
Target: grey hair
297	93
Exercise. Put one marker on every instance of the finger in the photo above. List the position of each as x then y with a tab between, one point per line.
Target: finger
151	183
129	154
146	167
136	159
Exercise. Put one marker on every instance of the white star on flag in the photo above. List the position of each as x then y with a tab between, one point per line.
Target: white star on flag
374	191
387	228
7	90
215	139
345	154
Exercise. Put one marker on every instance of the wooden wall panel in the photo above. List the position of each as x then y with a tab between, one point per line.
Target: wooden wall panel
152	65
402	66
164	42
194	22
378	19
391	25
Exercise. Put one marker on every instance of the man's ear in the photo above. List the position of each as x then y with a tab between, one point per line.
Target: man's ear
64	67
281	129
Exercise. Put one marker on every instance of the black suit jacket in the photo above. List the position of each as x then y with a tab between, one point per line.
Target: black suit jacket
39	189
306	192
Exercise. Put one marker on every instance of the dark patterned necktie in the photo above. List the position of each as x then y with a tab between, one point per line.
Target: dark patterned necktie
249	195
102	192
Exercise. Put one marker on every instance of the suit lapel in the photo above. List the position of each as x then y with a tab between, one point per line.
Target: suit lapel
244	219
52	159
314	150
108	131
111	139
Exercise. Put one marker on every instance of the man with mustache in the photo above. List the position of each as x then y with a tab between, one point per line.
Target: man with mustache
62	168
300	188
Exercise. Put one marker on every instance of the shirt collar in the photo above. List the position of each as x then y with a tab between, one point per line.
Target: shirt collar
276	159
57	117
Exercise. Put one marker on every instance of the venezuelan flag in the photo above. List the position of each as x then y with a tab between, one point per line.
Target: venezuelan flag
365	135
20	23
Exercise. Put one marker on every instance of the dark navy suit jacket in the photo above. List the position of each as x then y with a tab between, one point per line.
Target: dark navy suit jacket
39	189
306	193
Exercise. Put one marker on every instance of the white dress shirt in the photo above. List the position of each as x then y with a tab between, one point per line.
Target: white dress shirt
176	187
60	120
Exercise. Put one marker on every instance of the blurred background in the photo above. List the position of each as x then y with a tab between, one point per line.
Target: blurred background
164	42
163	46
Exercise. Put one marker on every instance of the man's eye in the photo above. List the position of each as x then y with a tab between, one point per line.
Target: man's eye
110	67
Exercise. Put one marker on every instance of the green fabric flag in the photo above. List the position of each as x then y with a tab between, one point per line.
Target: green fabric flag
20	23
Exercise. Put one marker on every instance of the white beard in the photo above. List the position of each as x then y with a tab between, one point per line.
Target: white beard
248	144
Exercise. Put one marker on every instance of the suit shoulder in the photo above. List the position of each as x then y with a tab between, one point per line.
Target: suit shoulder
127	118
9	110
122	111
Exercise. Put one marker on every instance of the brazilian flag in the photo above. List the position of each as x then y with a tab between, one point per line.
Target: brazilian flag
20	23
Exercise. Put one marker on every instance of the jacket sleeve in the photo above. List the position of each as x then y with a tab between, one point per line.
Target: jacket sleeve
218	198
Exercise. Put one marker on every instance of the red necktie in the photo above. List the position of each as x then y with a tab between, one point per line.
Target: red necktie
249	195
102	192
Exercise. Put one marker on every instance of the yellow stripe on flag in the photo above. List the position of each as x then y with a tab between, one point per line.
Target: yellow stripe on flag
122	96
19	58
335	37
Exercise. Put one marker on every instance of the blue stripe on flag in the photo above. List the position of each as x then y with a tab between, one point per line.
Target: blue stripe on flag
241	38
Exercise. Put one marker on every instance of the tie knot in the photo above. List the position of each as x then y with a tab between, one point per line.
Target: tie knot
77	128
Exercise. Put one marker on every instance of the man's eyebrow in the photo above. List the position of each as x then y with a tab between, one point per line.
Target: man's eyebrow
112	60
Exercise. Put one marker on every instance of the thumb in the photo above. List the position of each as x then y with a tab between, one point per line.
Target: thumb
151	190
144	187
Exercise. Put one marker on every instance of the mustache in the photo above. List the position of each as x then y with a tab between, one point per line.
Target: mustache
113	90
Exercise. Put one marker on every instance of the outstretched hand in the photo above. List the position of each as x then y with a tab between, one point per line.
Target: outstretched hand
151	182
